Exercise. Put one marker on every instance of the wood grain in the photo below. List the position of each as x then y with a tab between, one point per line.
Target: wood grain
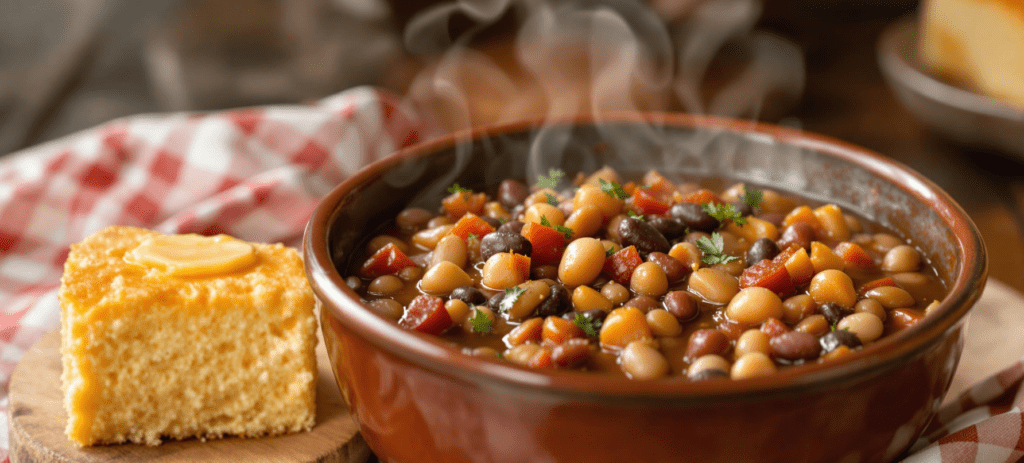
37	419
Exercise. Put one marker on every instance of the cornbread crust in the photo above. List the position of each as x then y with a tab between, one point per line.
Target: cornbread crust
148	356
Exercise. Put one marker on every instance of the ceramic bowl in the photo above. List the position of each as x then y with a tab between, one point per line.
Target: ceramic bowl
419	399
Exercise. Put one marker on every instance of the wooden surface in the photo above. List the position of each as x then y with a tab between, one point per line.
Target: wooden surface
37	420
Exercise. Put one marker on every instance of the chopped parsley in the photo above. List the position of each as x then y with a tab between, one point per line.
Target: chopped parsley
635	214
551	181
724	212
608	252
713	250
482	323
472	236
587	324
552	200
511	296
612	189
454	189
752	197
568	232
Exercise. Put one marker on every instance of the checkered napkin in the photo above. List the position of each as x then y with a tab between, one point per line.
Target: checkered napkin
257	174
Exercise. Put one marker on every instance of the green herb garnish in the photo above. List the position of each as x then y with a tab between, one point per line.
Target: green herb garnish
458	189
472	236
724	212
587	324
482	323
568	232
752	197
552	200
612	189
635	214
551	181
713	250
609	252
511	296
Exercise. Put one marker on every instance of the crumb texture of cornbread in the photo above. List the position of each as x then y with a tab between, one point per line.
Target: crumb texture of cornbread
980	42
148	356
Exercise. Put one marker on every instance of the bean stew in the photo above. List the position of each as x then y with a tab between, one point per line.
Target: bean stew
647	279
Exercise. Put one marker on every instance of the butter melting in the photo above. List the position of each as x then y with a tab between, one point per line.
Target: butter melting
193	255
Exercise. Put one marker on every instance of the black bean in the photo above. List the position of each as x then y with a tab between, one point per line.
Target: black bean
514	226
496	242
795	345
681	305
469	295
762	249
512	193
556	304
742	208
694	217
643	303
670	227
636	232
674	270
833	312
491	221
833	339
800	234
494	303
709	374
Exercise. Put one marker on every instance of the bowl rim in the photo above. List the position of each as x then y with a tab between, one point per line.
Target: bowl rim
430	352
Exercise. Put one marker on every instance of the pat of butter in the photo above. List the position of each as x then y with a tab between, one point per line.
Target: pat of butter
193	255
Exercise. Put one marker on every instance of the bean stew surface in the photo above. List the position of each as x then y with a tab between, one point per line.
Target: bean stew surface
647	278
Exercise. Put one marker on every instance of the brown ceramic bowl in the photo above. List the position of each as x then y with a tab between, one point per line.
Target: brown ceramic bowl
418	399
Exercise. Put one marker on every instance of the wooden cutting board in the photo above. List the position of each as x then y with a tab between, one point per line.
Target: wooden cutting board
36	424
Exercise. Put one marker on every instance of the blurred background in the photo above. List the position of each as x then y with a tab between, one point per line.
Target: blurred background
67	65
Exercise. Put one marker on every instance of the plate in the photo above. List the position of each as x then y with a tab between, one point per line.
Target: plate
962	115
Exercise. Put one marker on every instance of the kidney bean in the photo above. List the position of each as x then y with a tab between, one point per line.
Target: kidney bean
833	339
469	295
694	217
742	208
706	341
833	312
800	233
643	303
556	304
636	232
512	193
514	226
496	242
670	227
762	249
674	270
572	353
491	221
709	374
681	305
795	345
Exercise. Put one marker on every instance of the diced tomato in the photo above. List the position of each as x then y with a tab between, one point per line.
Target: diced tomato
773	327
768	274
854	256
388	260
426	314
647	204
548	244
458	204
471	224
658	184
887	281
702	196
620	266
521	266
557	330
629	187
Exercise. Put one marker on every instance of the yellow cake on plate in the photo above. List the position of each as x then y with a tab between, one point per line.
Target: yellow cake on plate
181	336
979	42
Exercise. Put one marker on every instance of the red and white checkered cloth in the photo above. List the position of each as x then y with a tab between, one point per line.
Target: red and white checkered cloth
257	174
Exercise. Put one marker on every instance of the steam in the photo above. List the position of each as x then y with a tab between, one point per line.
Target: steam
594	57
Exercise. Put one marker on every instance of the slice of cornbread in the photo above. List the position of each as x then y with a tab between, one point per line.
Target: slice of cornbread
184	336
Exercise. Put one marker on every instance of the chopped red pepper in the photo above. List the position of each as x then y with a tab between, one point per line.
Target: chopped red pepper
886	281
548	244
854	256
426	314
459	203
658	184
647	204
620	266
768	274
471	224
702	196
388	260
